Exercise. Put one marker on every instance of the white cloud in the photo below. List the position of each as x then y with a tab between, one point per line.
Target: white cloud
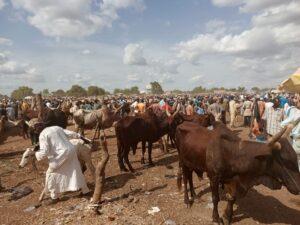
2	4
86	52
268	49
274	31
134	78
282	14
133	55
10	67
250	5
73	18
166	79
196	78
222	3
214	25
164	66
77	78
5	41
18	71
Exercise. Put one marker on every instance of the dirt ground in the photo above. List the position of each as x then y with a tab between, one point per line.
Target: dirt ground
128	197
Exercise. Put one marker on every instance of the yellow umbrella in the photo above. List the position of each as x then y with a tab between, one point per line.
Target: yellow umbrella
292	84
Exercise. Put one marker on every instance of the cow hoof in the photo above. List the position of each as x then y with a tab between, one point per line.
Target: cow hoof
218	221
124	170
225	221
151	164
142	161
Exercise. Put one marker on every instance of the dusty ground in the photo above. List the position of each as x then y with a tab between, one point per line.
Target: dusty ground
129	197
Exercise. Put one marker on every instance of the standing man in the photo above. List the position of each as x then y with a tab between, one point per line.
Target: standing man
232	111
247	106
273	116
64	172
189	109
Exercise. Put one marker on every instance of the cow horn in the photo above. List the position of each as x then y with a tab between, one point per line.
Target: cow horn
118	109
177	110
27	123
277	136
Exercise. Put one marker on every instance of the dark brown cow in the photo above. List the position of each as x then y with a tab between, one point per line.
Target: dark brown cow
131	130
239	165
11	128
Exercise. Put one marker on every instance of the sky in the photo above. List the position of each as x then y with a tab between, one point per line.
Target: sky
182	44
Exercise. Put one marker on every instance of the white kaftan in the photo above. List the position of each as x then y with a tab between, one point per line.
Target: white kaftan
64	172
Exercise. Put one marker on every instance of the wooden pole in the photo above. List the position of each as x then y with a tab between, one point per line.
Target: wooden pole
100	174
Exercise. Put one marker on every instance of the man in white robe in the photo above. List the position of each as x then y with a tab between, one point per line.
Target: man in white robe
64	172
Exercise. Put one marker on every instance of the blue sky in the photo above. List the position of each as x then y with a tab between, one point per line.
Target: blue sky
120	43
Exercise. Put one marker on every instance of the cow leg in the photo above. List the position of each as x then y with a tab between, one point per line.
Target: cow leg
172	141
120	157
143	152
126	153
186	196
150	154
179	176
86	157
191	184
134	147
214	185
161	145
231	197
165	143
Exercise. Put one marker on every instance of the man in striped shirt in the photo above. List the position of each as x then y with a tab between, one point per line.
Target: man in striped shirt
273	116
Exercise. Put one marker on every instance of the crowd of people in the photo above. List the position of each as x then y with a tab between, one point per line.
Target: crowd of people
263	114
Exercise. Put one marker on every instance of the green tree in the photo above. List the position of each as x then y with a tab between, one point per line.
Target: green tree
199	89
45	93
127	91
156	88
22	92
134	90
241	89
77	91
59	93
118	91
255	89
95	91
177	91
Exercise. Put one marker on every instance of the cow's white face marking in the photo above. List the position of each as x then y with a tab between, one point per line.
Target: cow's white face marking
27	155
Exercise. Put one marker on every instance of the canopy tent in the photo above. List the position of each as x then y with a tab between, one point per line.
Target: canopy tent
292	84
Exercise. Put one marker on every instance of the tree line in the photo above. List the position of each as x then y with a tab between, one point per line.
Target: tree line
155	88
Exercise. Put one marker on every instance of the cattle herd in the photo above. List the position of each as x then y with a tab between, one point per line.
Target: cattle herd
204	145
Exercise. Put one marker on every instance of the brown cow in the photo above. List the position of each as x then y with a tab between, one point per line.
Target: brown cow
239	165
130	130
